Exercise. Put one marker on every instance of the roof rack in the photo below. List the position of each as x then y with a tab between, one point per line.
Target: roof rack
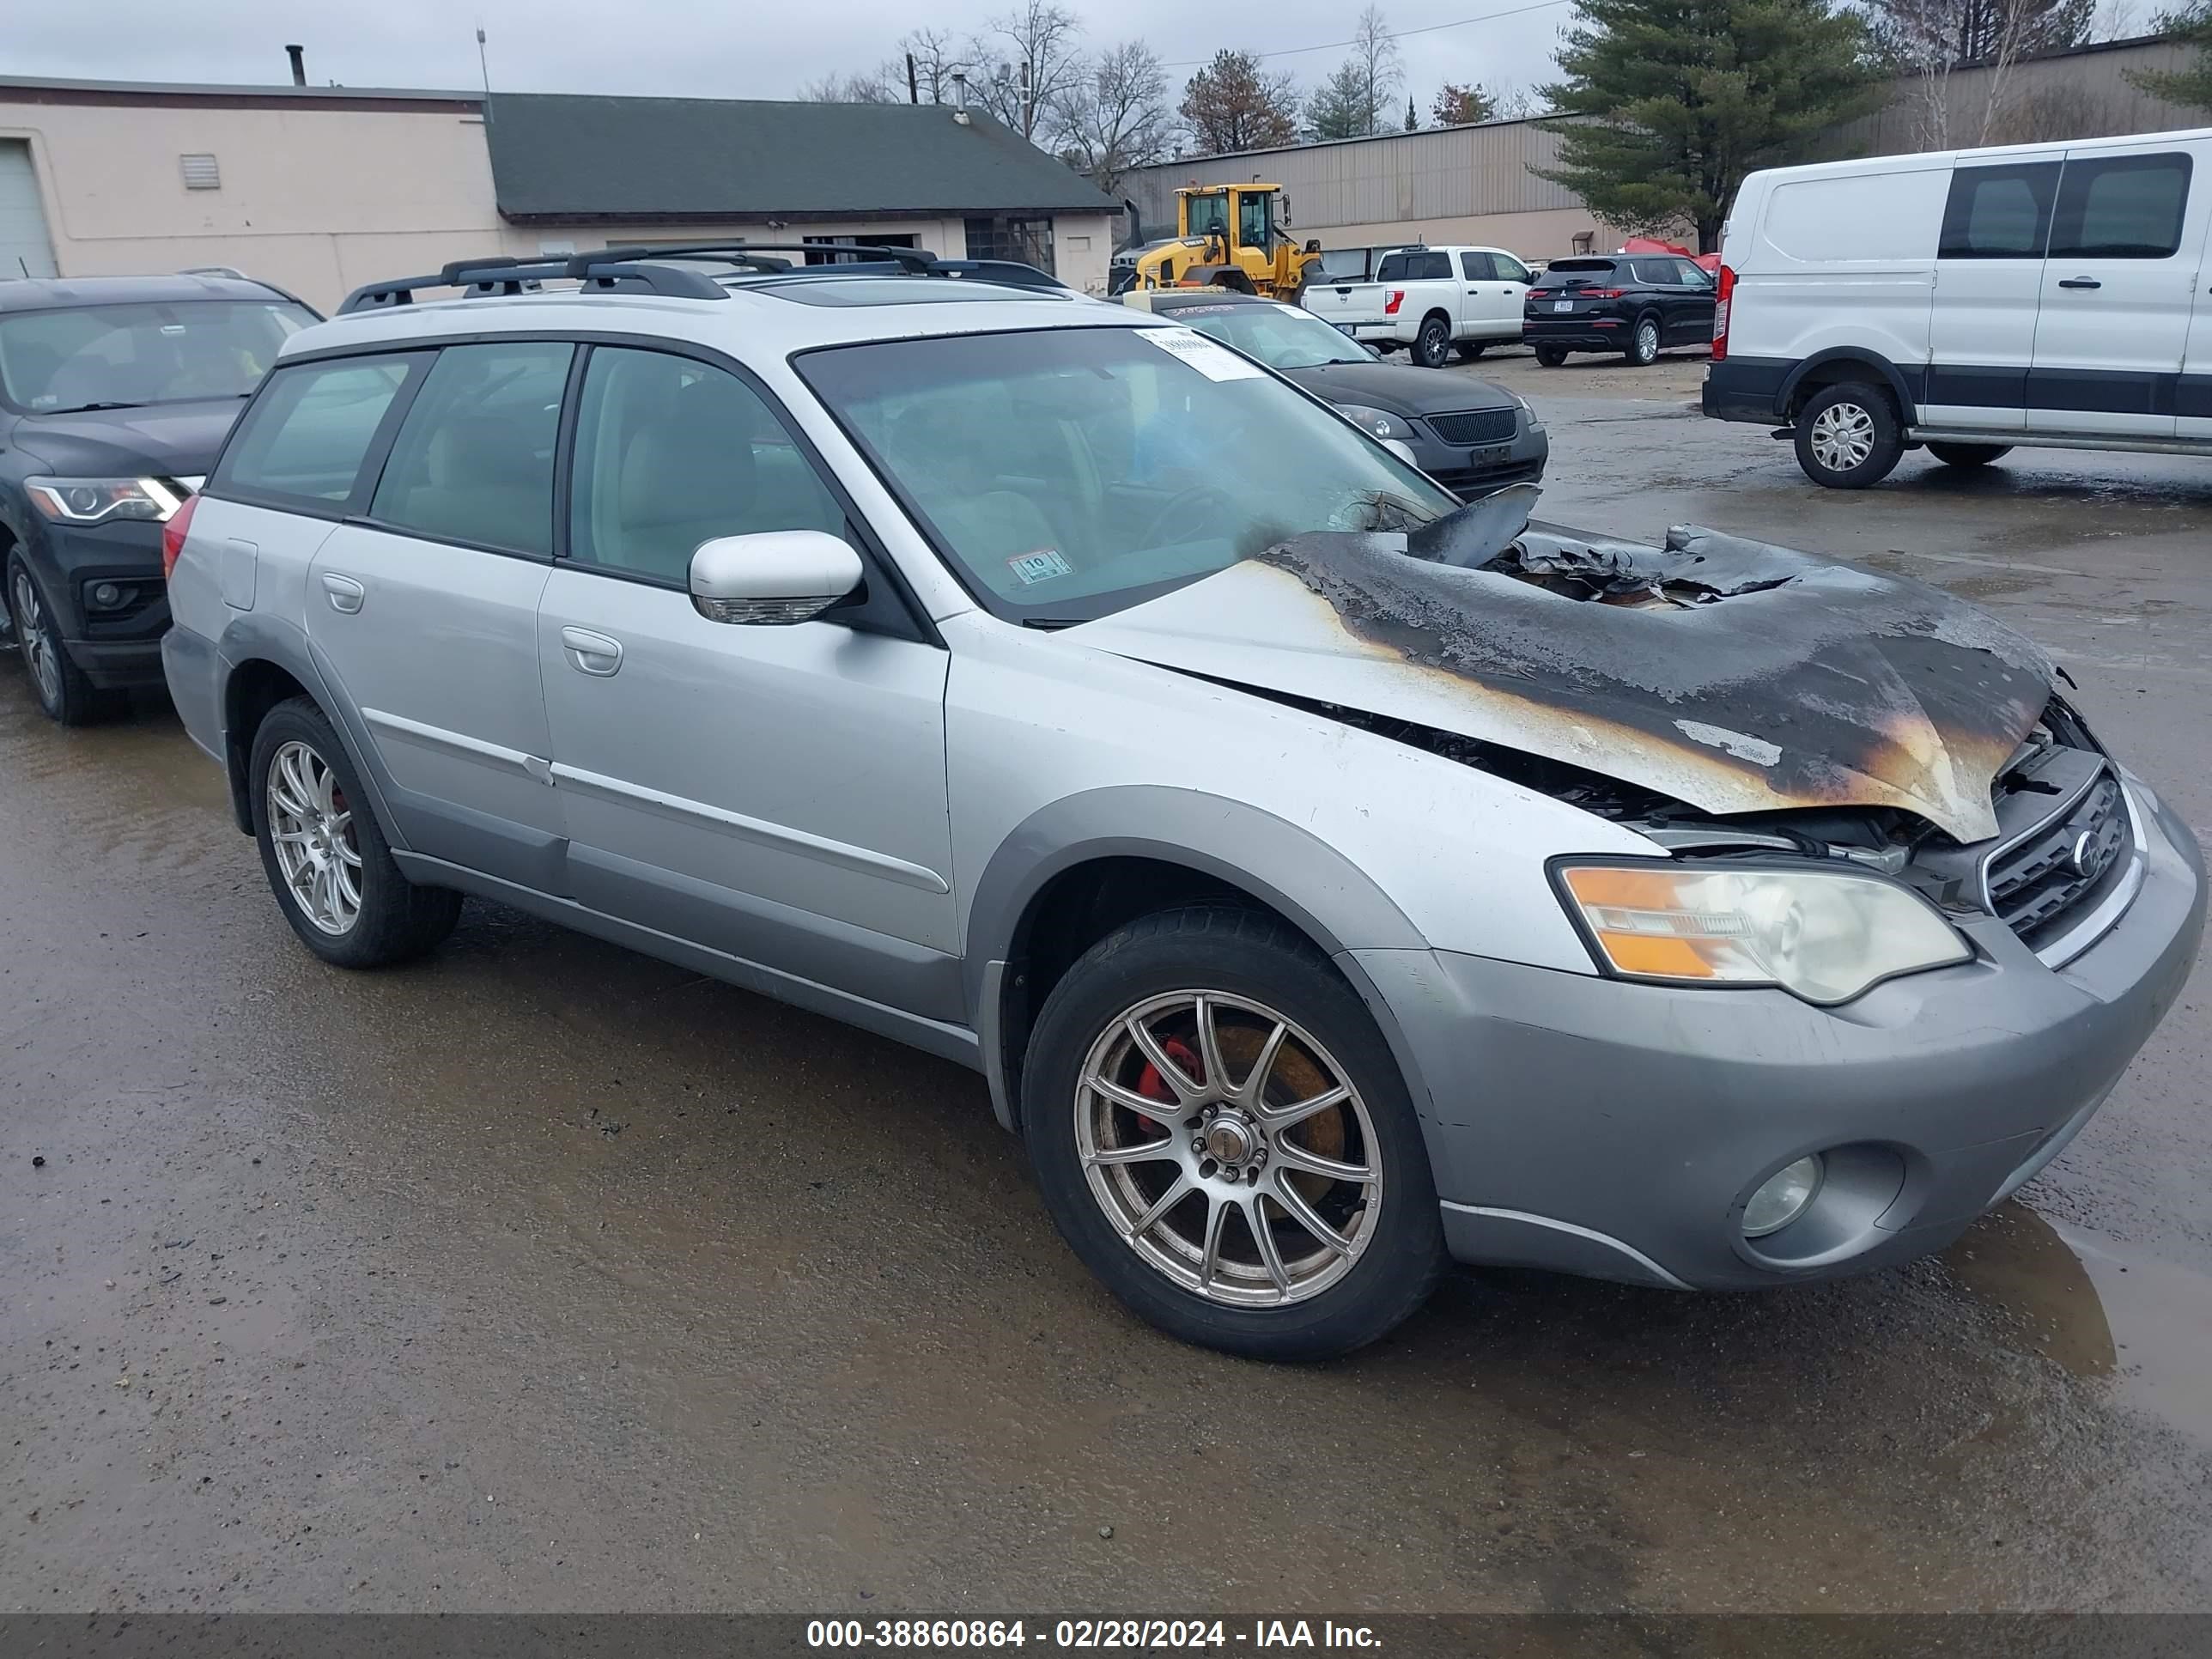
659	269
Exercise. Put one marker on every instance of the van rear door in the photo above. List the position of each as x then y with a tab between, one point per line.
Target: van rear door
2119	285
1989	288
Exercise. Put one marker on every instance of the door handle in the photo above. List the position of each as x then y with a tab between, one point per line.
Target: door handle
2080	282
345	593
590	652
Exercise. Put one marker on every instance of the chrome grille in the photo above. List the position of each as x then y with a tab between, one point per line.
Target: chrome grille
1474	426
2037	880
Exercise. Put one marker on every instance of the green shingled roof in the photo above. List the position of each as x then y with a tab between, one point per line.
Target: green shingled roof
557	157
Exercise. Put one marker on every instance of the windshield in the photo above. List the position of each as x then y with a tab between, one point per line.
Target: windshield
1066	473
1576	273
92	356
1280	337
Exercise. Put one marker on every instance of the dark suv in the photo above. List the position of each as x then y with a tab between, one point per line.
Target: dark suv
1635	304
115	393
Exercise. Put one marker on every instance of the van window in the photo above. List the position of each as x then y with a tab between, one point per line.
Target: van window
473	462
1999	213
304	437
2121	207
1404	267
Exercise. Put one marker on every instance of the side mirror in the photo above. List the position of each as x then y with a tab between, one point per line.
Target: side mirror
1284	213
779	576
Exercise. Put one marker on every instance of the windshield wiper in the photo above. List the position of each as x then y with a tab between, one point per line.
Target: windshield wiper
84	409
1050	623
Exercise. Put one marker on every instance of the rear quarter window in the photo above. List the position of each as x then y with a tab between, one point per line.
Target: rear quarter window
304	438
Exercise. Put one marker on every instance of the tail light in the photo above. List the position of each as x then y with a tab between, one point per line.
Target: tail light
1724	291
1600	293
173	535
1392	300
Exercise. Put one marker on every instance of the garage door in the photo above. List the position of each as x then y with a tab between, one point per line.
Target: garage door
24	249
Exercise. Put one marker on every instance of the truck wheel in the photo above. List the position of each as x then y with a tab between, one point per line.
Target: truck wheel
1849	436
1470	350
1551	356
1222	1136
1432	345
327	861
1968	455
1643	347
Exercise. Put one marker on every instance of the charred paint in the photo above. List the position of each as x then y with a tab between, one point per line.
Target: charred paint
1732	675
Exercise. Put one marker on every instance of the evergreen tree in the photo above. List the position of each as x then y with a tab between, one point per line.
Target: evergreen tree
1667	104
2191	88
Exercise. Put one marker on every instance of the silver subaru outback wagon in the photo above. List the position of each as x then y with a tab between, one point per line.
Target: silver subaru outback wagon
1328	880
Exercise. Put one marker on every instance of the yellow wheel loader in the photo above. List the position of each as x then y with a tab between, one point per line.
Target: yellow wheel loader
1231	236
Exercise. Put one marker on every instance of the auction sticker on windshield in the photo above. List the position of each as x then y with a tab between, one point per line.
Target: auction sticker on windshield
1201	354
1042	565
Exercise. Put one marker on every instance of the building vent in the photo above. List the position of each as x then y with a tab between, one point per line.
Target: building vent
201	173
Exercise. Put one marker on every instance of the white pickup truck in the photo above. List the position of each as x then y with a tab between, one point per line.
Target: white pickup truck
1429	300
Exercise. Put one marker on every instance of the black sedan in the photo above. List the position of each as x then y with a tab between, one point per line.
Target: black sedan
1468	435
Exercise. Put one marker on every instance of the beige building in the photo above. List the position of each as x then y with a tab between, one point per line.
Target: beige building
320	190
1477	183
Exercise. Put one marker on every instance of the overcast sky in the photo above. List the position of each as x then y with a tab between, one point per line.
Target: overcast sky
699	48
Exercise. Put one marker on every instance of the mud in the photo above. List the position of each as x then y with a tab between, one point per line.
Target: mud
543	1276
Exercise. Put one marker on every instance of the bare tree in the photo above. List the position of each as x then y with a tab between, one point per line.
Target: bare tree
1116	117
1025	62
1929	39
1382	70
865	88
1232	104
936	59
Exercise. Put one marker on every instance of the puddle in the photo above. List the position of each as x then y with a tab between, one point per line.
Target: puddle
2100	1309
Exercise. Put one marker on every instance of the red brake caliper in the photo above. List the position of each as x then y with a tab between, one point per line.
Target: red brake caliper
1153	1087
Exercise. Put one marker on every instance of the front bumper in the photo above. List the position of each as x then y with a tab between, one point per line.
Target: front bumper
1469	472
1615	1130
115	649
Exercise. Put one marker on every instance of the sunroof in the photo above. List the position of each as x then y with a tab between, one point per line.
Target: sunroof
895	291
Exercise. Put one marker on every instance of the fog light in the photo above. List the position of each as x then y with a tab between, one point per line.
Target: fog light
1783	1197
107	595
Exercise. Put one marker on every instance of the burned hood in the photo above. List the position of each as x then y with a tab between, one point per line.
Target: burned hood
1730	674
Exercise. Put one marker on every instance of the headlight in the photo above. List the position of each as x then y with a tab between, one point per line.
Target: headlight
1380	422
1824	936
95	501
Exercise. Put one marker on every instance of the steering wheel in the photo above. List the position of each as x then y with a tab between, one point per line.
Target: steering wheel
1182	504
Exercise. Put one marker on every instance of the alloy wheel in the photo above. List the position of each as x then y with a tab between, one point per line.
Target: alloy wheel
1647	340
1842	436
311	826
40	652
1228	1148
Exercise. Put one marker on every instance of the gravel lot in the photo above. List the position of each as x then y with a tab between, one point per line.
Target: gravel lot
543	1276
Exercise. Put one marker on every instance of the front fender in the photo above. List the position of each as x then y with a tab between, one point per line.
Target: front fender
1327	896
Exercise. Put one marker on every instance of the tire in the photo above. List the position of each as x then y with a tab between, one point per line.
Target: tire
393	919
1294	1297
1470	350
1551	356
1643	347
1431	347
1849	436
65	696
1968	455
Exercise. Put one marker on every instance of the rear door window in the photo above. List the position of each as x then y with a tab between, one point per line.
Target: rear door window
302	442
1414	268
1999	213
2121	207
473	462
1478	267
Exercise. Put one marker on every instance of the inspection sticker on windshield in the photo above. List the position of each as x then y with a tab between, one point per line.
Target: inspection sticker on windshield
1201	354
1042	566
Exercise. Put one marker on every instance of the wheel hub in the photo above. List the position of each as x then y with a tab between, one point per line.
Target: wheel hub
1231	1137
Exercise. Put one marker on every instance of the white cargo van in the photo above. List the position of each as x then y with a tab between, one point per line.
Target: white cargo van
2044	295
